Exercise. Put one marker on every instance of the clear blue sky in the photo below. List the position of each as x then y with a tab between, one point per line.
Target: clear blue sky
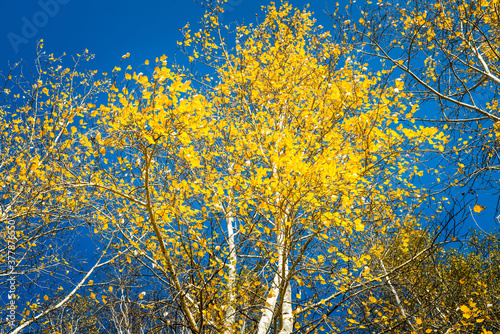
111	28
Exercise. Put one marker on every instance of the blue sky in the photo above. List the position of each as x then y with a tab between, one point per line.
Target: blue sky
109	29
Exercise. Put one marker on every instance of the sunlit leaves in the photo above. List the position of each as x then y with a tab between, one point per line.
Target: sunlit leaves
478	208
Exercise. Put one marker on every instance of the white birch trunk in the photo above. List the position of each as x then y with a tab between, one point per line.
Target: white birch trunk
231	280
287	309
280	275
272	297
396	296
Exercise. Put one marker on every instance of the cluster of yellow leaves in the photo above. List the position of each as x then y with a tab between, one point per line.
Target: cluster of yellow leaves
444	34
293	135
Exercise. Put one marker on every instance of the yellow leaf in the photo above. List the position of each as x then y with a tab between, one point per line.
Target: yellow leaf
185	86
358	225
126	55
466	310
478	208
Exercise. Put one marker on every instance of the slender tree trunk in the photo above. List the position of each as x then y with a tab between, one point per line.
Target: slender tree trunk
287	311
396	296
281	271
231	281
272	297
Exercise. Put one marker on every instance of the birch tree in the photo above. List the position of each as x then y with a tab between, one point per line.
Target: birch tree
248	195
448	54
43	216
